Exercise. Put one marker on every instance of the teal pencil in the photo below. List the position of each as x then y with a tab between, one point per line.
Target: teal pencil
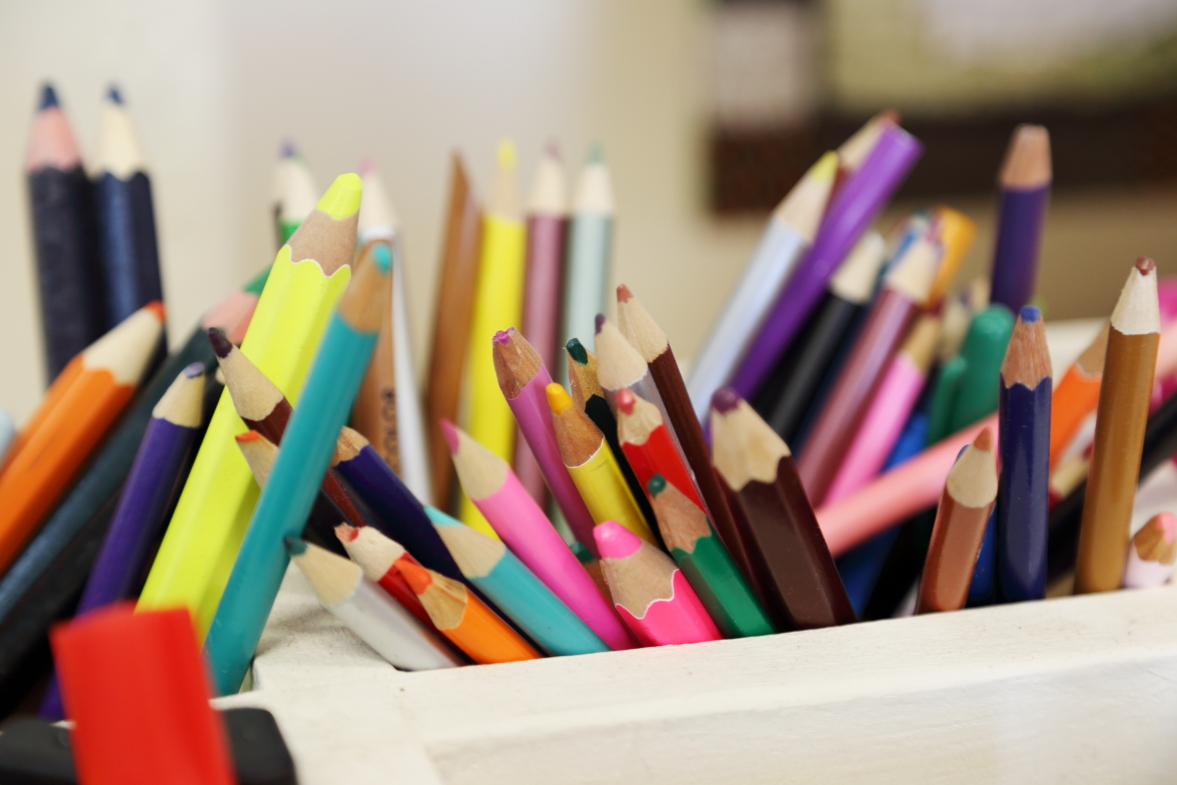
590	237
307	446
500	575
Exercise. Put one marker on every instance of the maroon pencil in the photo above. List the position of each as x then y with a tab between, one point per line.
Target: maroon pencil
905	290
798	572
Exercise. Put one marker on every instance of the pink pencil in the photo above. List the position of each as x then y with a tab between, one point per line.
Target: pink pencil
497	493
888	412
523	378
1151	552
650	592
909	488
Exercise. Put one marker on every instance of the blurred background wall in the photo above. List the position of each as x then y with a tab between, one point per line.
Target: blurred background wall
215	85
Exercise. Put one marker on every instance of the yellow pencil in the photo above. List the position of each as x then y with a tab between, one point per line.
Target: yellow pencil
498	304
593	468
309	275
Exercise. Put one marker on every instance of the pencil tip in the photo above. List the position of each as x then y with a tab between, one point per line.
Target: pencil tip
288	149
625	400
221	345
382	256
1145	265
614	541
342	199
346	532
656	484
558	398
1167	523
48	97
295	546
113	95
451	435
725	400
366	167
624	295
247	437
193	370
415	575
503	337
577	351
1030	314
598	323
984	440
156	307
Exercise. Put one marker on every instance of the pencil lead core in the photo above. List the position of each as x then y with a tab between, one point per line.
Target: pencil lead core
503	337
113	94
1030	314
577	351
48	97
1145	265
382	257
598	323
342	199
624	295
416	576
625	400
247	437
295	546
221	344
656	485
451	435
192	370
614	541
725	400
558	398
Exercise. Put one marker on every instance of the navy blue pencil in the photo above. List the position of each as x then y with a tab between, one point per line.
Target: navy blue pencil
1023	490
147	498
126	218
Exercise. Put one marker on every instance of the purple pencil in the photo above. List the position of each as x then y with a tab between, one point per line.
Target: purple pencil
1025	193
524	378
547	221
152	486
850	212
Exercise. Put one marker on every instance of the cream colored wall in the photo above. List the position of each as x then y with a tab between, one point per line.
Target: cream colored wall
215	84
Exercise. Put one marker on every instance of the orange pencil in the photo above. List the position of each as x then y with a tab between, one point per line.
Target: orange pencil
465	619
87	397
1076	396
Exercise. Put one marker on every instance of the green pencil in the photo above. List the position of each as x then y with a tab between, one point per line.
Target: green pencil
983	351
944	392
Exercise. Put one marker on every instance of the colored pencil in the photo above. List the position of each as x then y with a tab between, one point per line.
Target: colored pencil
983	351
460	250
307	446
261	453
547	230
757	465
590	247
522	525
466	620
1070	473
1022	496
498	304
853	152
958	313
295	193
650	592
590	398
127	245
905	291
849	214
263	408
955	232
1119	432
69	279
1077	395
396	511
620	365
592	466
377	554
202	539
84	401
965	505
7	432
849	293
1150	555
523	378
707	564
888	411
786	238
1024	185
515	589
369	612
374	414
151	488
378	221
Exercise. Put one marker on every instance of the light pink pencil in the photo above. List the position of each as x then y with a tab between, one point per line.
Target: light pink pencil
888	412
650	591
497	493
911	487
523	378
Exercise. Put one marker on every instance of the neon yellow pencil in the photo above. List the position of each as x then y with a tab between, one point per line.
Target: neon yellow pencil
309	275
498	304
593	467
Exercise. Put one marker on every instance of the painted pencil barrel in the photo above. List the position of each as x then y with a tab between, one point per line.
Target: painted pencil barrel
127	243
1015	259
586	272
410	419
544	283
679	618
721	588
606	493
1023	493
983	351
391	631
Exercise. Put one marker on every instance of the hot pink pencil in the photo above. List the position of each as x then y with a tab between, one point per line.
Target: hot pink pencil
497	493
888	412
649	590
523	378
909	488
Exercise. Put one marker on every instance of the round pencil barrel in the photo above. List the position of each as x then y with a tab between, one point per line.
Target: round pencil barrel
983	351
590	247
1150	555
1025	193
1076	396
377	556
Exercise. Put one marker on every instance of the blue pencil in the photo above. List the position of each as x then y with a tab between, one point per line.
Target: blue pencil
307	446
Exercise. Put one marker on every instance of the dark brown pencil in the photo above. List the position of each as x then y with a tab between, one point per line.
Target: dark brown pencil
640	329
263	408
968	497
451	326
756	464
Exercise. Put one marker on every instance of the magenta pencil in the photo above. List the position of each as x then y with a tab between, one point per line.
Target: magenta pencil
497	493
888	412
650	592
523	378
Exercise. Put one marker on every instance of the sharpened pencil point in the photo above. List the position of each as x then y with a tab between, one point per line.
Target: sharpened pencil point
346	532
1030	314
48	97
156	307
558	398
247	437
415	575
451	435
382	256
192	370
598	323
614	541
656	485
503	337
984	440
624	295
725	400
1145	265
295	546
221	344
577	351
342	199
288	149
113	95
625	400
366	167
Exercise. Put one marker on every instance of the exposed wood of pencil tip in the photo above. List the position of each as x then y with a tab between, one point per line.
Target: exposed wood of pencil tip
679	519
913	275
640	579
259	453
972	480
854	151
444	599
364	300
744	446
1027	159
348	445
920	344
1090	362
638	327
372	550
1137	311
582	376
329	242
182	403
254	396
474	553
516	361
576	434
1027	360
619	364
332	577
855	278
636	417
1155	541
803	206
480	471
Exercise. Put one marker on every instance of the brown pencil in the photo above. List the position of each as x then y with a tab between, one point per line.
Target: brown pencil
798	571
1119	432
968	497
451	327
640	329
265	409
374	413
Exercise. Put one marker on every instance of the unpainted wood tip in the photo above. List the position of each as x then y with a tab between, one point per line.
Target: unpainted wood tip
1027	159
984	440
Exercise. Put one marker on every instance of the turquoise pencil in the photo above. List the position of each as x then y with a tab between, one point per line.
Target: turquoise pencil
307	445
590	237
500	575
